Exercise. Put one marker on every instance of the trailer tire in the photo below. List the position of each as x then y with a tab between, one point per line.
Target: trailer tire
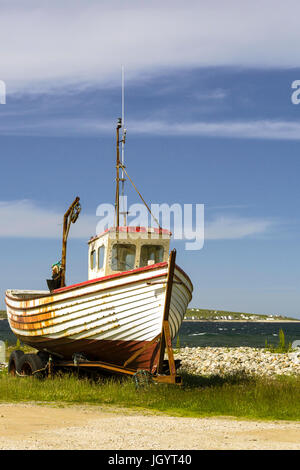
14	362
32	365
44	356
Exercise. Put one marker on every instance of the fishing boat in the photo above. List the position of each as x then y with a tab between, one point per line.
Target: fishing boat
124	317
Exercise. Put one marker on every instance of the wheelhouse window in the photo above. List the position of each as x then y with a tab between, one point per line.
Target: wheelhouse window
151	254
123	257
101	252
93	259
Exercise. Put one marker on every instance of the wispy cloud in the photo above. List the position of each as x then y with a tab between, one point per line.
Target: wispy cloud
256	129
25	219
217	94
228	207
77	43
251	129
232	227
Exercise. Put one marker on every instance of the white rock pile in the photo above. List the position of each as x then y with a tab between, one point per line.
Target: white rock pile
221	361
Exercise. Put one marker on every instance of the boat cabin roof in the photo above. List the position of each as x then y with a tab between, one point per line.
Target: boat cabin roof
126	248
133	230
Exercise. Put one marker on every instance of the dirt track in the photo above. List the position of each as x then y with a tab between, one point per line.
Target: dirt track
85	427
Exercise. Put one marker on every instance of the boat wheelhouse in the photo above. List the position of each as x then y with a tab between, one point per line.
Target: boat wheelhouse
127	248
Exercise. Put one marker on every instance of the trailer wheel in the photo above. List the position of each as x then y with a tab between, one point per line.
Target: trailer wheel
44	356
32	365
14	362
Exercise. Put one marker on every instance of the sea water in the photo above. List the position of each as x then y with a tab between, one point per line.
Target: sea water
235	334
5	332
215	334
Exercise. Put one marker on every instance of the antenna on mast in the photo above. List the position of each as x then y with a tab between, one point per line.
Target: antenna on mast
120	164
123	146
123	117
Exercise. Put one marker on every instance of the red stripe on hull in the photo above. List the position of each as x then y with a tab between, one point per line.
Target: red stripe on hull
112	276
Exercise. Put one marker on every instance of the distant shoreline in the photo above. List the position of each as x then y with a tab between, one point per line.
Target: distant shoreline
242	321
229	321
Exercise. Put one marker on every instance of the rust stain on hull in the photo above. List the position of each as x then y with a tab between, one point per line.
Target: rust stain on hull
25	318
30	326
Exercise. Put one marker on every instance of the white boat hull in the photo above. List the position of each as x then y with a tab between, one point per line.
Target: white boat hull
106	319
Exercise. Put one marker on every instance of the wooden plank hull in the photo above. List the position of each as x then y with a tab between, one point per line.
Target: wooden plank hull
107	319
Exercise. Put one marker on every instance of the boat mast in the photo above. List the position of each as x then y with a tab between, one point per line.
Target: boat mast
117	203
123	145
120	125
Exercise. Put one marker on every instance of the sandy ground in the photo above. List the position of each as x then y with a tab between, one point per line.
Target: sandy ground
31	426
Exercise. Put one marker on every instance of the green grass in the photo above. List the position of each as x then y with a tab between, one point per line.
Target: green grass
236	395
205	314
233	395
282	347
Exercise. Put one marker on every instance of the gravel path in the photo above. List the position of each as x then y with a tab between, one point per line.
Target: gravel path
30	426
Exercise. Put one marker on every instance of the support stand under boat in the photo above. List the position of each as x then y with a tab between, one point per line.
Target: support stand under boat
164	338
166	342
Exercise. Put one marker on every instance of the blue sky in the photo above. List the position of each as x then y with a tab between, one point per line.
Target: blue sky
209	120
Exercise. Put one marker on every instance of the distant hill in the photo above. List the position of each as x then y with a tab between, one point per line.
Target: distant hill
221	315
